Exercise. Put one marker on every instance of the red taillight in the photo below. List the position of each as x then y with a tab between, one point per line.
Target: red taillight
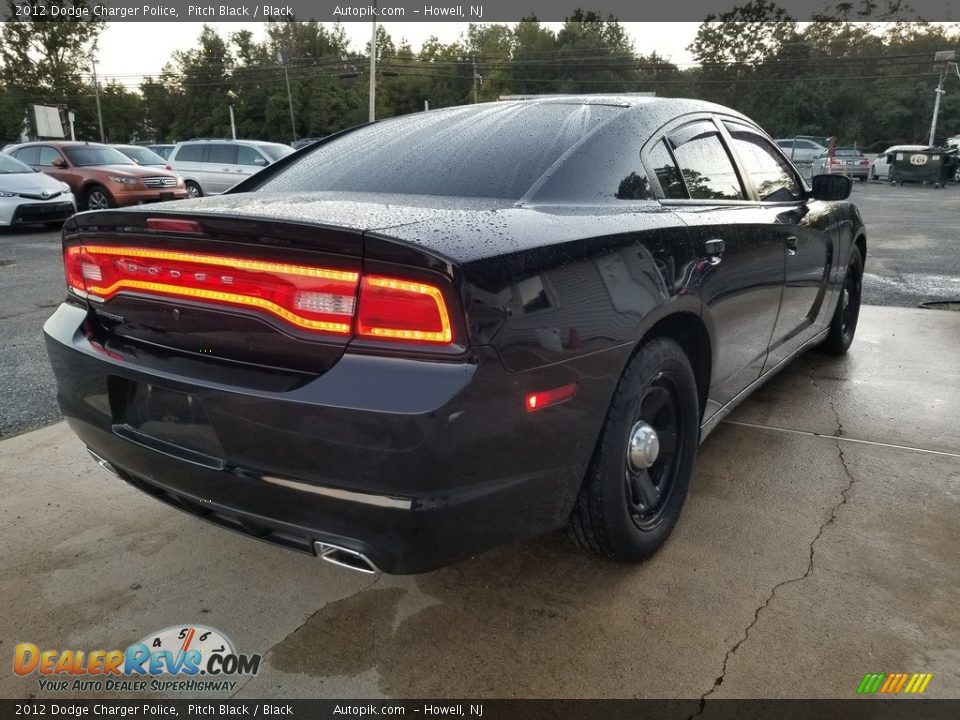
864	162
392	309
545	398
834	161
309	298
306	297
174	225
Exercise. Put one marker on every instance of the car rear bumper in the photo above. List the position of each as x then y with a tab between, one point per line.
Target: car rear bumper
414	464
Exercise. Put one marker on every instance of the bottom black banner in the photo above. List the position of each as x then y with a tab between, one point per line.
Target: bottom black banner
863	709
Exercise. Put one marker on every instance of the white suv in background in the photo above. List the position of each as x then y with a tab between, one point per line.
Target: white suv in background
209	167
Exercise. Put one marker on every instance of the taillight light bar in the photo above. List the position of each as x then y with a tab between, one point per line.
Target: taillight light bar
306	297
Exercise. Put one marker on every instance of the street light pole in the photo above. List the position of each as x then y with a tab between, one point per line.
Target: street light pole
286	75
373	70
944	56
96	90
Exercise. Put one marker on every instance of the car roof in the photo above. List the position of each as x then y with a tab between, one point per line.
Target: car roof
910	148
59	143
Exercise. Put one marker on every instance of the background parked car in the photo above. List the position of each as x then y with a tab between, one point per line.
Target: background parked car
209	167
28	196
845	161
880	168
161	150
801	150
100	176
143	156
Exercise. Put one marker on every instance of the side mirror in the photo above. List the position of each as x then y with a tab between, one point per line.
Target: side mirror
58	162
831	187
262	162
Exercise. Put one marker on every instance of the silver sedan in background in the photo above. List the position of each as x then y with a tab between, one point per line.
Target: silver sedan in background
29	197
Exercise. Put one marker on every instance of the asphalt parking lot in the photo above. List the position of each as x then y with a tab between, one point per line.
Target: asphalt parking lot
819	543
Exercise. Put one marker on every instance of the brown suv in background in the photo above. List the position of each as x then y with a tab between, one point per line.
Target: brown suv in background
100	176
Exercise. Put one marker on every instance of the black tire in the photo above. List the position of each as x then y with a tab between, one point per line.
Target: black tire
97	197
193	190
610	517
843	325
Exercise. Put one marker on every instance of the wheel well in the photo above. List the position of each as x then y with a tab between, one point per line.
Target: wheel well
687	330
861	243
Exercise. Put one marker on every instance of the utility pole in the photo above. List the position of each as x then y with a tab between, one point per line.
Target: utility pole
96	90
475	79
233	124
944	56
373	68
293	124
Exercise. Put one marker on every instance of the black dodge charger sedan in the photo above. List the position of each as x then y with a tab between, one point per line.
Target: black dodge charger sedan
423	337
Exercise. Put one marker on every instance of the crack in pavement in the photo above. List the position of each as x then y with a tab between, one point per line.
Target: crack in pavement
844	497
281	641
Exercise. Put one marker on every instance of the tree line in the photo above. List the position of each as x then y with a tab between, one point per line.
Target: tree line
869	83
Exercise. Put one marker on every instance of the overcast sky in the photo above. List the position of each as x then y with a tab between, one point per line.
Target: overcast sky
122	45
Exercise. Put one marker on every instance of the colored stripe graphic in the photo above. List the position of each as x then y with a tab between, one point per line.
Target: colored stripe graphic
894	683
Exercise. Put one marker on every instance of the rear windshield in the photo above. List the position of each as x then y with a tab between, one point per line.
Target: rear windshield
847	152
82	156
492	151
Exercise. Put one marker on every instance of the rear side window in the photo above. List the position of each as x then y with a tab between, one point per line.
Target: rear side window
668	175
223	154
768	170
704	164
190	153
30	155
475	151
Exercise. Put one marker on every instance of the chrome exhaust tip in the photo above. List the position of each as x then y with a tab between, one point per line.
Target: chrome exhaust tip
103	463
345	557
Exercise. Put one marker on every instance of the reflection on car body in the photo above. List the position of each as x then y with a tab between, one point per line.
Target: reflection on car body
506	319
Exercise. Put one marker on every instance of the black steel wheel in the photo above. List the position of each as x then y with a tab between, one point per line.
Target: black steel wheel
638	479
843	326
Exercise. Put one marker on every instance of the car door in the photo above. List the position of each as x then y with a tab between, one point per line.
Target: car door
802	227
219	168
743	266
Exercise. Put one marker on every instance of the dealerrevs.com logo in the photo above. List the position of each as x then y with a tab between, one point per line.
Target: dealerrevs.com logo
186	658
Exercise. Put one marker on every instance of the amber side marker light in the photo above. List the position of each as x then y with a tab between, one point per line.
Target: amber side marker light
546	398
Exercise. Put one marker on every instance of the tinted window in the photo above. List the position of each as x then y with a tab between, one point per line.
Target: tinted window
86	155
704	164
769	171
48	155
246	155
490	150
668	175
190	153
30	155
223	154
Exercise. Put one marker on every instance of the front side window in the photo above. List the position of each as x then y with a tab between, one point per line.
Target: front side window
768	170
48	155
248	156
704	163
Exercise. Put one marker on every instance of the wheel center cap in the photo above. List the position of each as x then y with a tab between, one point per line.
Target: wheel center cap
644	446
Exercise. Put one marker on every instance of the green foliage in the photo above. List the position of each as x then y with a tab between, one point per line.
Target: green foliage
840	76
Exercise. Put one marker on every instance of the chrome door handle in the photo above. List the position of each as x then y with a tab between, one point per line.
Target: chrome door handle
792	245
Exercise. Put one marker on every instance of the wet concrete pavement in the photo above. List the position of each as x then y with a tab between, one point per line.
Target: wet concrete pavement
820	542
